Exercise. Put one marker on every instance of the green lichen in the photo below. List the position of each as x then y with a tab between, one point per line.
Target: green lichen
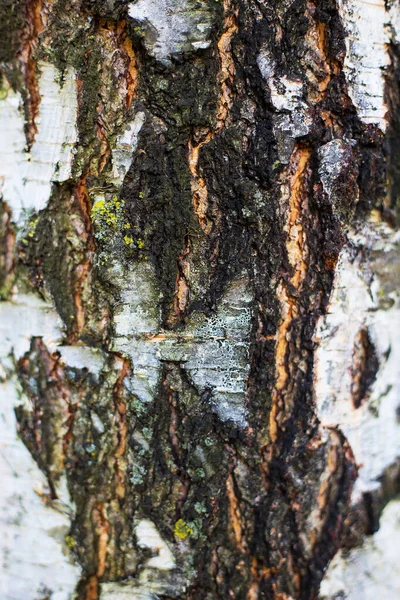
111	227
137	474
147	433
196	527
200	508
32	227
70	542
29	230
128	240
182	529
3	89
107	216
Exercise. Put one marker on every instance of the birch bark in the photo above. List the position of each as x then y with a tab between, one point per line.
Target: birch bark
199	314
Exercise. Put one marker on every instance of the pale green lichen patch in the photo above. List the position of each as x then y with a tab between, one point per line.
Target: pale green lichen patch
111	227
107	216
30	229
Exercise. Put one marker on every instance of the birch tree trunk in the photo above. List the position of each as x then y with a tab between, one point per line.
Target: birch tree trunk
199	314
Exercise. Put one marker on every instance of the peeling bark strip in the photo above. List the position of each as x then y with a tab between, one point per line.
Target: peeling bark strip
199	293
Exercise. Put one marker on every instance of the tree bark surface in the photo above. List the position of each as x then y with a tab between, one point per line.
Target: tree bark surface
200	312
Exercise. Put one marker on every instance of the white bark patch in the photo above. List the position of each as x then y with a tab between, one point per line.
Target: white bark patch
26	316
147	585
131	591
286	94
33	552
26	178
136	318
32	547
124	591
213	350
365	295
79	357
173	26
369	27
126	144
157	576
372	571
293	118
149	537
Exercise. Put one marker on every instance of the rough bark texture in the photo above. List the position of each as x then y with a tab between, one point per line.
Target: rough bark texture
200	278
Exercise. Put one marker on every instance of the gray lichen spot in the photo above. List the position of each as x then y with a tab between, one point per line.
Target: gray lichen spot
219	359
332	161
338	171
212	349
288	127
173	26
